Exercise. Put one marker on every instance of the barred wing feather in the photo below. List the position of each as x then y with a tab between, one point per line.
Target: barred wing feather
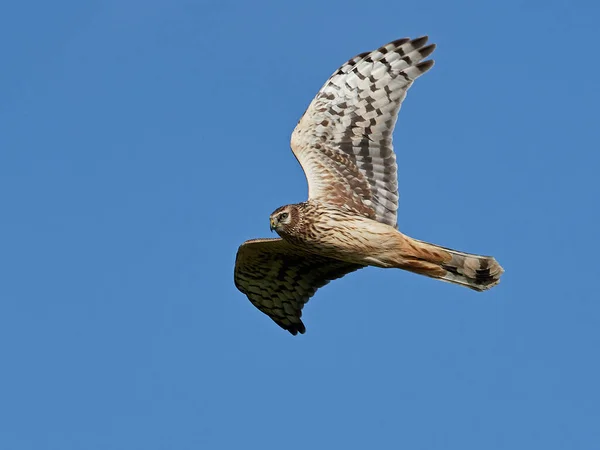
344	139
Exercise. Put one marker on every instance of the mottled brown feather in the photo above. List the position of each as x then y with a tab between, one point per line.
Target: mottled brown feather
279	278
344	139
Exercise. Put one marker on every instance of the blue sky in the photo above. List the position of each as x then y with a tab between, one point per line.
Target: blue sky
142	142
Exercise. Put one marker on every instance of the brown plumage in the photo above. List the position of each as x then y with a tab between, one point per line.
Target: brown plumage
344	144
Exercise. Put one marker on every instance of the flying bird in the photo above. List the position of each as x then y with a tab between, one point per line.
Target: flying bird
344	145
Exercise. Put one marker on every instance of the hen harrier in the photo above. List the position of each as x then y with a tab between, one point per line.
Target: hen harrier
344	145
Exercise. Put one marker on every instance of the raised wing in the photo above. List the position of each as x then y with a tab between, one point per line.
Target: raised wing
279	278
344	139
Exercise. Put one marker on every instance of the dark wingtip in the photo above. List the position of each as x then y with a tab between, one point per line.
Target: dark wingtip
425	65
296	328
301	328
420	41
426	51
399	42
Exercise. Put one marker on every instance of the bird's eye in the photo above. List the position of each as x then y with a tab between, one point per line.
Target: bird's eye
283	216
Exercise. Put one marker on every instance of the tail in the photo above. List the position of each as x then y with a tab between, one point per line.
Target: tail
473	271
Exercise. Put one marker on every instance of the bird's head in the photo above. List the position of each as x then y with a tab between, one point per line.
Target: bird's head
283	220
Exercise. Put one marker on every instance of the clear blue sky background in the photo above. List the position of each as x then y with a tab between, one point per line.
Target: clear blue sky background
142	141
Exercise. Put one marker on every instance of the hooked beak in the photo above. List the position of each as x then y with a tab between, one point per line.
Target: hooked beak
271	224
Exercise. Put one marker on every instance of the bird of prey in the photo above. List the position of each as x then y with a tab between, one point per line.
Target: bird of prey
344	145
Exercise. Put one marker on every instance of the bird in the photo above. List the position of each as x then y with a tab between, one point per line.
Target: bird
343	142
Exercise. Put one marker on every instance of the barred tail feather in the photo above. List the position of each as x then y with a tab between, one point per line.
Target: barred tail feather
473	271
476	272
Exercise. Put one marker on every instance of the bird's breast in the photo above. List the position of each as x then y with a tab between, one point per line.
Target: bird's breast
349	238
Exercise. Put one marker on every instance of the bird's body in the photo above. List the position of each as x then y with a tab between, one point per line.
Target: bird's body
350	237
344	144
330	231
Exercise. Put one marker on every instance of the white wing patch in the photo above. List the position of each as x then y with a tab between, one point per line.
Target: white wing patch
344	139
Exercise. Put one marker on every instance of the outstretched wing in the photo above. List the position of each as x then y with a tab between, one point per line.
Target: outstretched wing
344	139
279	278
